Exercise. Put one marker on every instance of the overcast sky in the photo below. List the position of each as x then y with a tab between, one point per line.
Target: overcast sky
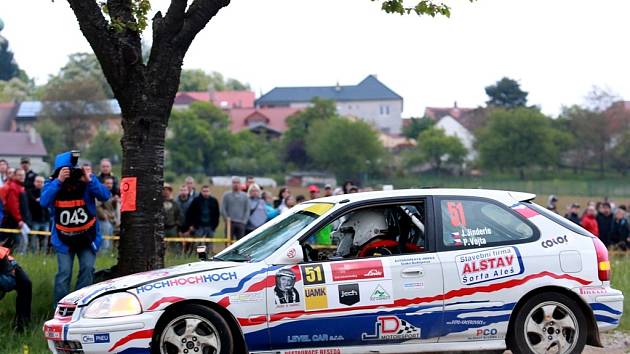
556	49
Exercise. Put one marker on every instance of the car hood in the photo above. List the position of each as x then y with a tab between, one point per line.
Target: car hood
85	295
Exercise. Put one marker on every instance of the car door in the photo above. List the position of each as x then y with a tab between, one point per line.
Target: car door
377	300
479	242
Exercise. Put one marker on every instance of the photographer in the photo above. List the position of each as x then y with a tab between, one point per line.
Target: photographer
70	194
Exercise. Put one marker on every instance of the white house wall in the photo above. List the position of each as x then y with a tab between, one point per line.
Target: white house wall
452	127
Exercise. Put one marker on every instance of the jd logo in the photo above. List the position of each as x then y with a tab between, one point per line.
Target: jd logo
349	294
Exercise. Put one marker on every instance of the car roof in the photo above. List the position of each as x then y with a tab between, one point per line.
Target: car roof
485	193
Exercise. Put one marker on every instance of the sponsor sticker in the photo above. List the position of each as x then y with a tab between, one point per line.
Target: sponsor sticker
357	270
593	291
414	285
349	294
379	294
314	351
487	265
485	334
309	338
246	298
52	332
285	293
316	297
413	260
554	241
392	328
95	338
188	280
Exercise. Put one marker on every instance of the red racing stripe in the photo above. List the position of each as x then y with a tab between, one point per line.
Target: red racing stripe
165	300
449	295
145	333
225	302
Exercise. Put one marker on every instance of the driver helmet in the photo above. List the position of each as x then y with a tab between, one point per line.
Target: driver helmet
360	228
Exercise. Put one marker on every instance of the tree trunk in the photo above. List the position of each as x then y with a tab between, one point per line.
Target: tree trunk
142	241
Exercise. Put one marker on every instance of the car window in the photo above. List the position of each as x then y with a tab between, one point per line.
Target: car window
560	220
370	232
468	223
273	235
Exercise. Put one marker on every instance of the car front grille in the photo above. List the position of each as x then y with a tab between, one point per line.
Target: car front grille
68	347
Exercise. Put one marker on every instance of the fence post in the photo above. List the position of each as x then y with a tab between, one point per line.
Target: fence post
228	231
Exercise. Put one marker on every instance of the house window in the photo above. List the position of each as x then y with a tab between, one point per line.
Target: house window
384	110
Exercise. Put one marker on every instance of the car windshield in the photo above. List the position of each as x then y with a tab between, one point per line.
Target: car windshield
273	235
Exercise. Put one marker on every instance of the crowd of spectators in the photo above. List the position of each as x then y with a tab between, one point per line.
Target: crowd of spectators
603	219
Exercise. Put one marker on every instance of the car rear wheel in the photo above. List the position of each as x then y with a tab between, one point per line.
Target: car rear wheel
192	329
549	323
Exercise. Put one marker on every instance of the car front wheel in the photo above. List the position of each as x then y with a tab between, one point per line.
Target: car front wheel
192	329
549	323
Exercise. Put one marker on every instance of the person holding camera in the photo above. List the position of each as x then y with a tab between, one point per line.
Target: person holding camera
70	194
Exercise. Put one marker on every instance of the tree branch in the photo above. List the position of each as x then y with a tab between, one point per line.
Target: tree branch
198	15
96	30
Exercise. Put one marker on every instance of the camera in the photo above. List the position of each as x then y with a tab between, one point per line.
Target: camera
76	173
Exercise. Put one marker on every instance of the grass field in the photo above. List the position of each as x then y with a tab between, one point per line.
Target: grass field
42	270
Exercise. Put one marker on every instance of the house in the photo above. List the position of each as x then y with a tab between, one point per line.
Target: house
370	100
395	143
104	115
271	121
306	178
16	145
458	122
221	99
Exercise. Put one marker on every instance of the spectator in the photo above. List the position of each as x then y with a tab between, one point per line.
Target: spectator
183	202
29	180
282	196
573	213
71	194
313	191
589	222
620	230
249	180
4	166
10	173
106	171
235	208
106	213
353	189
12	193
552	203
290	203
12	277
605	221
202	217
299	199
172	214
346	186
328	191
40	217
338	191
269	209
257	213
190	184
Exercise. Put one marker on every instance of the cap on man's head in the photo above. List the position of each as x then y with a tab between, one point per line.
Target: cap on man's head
313	188
25	160
327	186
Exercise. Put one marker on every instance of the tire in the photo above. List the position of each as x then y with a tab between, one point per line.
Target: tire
192	329
549	321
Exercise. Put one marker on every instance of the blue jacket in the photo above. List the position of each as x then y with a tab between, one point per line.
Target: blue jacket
94	190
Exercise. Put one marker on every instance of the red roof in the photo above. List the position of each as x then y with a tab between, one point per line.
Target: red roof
273	118
221	99
20	144
470	118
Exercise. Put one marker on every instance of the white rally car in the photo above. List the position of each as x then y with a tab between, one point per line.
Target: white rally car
385	272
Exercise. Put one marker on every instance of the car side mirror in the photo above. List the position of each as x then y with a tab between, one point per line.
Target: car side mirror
202	253
290	255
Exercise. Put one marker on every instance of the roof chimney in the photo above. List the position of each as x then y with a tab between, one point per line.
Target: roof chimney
32	136
455	104
337	87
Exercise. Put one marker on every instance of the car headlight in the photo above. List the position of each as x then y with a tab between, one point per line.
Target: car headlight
113	305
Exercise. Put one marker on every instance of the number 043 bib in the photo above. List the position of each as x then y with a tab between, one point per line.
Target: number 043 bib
75	224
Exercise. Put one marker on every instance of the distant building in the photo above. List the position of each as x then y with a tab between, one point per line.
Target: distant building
458	122
370	100
271	121
306	178
16	145
8	112
221	99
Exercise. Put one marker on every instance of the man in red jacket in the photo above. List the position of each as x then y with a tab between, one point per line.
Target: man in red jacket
13	218
589	222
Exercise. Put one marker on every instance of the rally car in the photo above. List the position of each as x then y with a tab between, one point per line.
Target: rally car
383	272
